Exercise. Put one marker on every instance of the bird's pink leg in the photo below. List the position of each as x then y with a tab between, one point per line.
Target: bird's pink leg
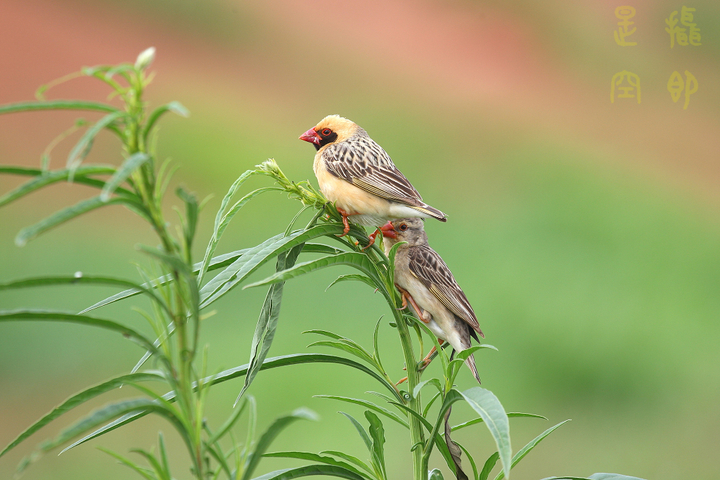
372	239
422	314
345	216
429	357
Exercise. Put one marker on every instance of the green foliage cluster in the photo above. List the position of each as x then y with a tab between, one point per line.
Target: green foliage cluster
184	289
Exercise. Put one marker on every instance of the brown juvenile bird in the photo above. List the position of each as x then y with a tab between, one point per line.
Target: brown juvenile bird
425	280
358	175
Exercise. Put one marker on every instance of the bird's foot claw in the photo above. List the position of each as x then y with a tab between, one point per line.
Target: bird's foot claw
372	239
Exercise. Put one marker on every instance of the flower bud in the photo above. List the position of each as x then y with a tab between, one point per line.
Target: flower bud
145	58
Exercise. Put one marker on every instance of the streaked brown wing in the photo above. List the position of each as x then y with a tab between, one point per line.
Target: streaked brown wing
362	162
432	271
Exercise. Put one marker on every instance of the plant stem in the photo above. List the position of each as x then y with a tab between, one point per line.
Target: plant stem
417	438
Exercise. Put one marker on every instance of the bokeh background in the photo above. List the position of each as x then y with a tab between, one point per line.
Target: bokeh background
585	233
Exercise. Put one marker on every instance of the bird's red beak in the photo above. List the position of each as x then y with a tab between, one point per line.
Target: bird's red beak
311	136
388	230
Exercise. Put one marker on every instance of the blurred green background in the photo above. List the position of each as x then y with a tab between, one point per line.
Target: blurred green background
585	233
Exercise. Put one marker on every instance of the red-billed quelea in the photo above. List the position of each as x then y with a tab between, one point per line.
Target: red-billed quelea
355	173
425	280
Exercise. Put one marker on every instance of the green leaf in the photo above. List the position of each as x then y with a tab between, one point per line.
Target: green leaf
377	434
489	465
532	444
174	107
176	263
351	459
475	421
109	412
132	163
53	316
361	431
318	458
353	259
370	405
346	347
44	179
232	420
80	398
435	474
270	434
83	279
163	456
436	439
320	248
612	476
216	263
82	148
28	233
223	217
285	360
309	471
487	405
470	458
191	216
159	472
143	472
433	381
257	256
268	320
353	277
56	105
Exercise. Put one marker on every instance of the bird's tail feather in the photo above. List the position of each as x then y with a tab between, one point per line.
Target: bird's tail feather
433	212
470	362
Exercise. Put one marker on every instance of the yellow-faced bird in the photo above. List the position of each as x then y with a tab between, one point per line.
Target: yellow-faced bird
360	177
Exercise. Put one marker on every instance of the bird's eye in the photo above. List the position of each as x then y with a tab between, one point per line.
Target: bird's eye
403	227
326	132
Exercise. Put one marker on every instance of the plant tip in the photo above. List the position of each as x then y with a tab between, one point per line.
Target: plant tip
145	58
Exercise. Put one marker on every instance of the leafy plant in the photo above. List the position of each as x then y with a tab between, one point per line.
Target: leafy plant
180	293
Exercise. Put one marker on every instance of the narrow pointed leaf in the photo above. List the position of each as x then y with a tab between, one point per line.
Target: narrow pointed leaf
475	421
82	148
313	457
109	412
370	405
53	316
489	465
310	471
43	179
257	256
56	105
377	434
282	361
361	431
351	459
132	163
82	279
28	233
612	476
270	434
527	448
143	472
216	263
353	259
353	277
268	320
174	107
80	398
